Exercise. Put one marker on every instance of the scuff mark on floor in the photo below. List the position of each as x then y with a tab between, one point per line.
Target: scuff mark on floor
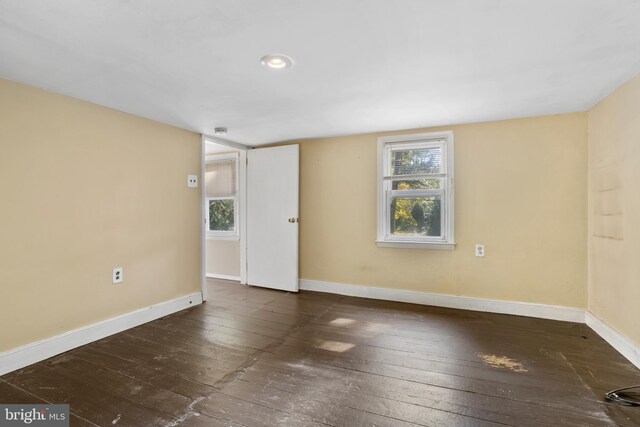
189	413
116	419
501	362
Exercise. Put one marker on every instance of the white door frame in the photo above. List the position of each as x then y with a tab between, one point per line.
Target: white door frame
242	182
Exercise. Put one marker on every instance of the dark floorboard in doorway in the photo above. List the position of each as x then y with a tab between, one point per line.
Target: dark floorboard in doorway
257	357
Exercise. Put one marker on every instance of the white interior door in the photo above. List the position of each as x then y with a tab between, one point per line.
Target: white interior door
272	217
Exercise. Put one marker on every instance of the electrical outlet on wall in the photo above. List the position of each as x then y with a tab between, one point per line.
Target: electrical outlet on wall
192	181
480	250
118	275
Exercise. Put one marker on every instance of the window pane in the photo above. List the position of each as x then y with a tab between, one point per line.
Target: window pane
415	216
415	184
415	161
221	215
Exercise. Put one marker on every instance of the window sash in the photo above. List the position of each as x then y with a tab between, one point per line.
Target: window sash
415	193
223	233
414	176
410	194
390	147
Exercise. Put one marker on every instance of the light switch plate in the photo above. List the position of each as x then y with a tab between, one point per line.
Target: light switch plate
192	181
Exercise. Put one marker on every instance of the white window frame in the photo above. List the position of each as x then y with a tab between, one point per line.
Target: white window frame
235	233
384	238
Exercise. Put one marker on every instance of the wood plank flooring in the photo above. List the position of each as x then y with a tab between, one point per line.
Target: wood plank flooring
257	357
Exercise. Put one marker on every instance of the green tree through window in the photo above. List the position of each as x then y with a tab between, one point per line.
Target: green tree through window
221	215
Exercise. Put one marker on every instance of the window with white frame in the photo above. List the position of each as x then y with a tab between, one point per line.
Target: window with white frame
415	191
221	188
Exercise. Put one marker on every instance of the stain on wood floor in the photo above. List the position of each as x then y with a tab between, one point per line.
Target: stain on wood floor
257	357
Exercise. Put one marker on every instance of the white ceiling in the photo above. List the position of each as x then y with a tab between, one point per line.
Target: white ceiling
213	148
361	65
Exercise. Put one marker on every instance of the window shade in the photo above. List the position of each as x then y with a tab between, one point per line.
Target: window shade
220	177
412	161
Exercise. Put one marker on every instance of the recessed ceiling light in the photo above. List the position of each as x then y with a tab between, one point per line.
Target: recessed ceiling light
277	61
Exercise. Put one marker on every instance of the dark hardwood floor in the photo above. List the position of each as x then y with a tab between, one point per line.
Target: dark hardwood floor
256	357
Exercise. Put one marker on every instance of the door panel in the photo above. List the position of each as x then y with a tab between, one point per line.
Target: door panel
272	217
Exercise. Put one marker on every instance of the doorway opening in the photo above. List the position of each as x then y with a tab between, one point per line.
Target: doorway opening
250	214
223	191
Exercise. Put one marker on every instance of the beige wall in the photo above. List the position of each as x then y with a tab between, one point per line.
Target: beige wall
520	190
85	189
614	210
223	257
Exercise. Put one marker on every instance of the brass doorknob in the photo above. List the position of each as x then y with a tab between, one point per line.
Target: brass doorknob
292	220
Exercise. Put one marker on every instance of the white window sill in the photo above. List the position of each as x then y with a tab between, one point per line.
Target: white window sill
416	245
222	237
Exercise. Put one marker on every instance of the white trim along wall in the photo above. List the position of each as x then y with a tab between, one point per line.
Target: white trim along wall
553	312
35	352
31	353
618	341
567	314
223	277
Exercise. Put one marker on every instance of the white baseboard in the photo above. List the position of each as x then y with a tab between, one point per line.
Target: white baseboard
624	345
31	353
223	277
554	312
